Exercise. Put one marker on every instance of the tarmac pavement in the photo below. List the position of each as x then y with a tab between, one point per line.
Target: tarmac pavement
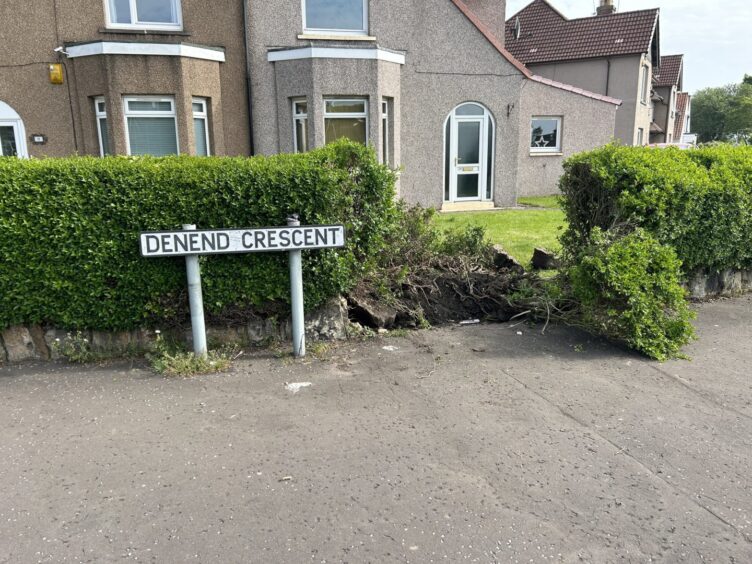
485	443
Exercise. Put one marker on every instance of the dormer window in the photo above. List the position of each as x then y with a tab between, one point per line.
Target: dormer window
144	14
340	17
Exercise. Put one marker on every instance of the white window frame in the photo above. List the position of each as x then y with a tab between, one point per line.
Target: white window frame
385	131
640	136
296	117
203	115
136	24
349	115
10	118
559	134
335	31
128	114
99	116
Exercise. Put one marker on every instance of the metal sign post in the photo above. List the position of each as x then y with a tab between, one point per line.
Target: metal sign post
192	243
296	295
196	300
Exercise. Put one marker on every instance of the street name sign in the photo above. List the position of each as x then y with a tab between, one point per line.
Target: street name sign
190	243
227	241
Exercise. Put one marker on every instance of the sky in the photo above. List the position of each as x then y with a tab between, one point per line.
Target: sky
714	35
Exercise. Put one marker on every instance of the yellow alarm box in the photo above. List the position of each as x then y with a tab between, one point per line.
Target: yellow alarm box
56	73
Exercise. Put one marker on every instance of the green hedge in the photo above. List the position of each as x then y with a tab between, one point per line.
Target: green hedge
699	201
627	289
69	253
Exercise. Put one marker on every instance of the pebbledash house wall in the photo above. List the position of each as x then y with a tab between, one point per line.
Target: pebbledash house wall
447	62
64	113
584	126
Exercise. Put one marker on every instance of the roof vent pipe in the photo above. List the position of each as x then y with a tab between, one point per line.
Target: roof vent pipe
606	8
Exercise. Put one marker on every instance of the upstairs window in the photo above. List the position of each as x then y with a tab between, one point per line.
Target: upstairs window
348	17
644	89
144	14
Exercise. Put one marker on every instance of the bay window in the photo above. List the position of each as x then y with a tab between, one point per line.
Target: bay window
150	125
201	127
300	125
100	110
346	118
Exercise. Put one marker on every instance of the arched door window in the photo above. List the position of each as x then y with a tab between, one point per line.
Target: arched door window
469	138
12	133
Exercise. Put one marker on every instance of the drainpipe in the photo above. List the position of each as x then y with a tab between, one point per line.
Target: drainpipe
248	88
608	75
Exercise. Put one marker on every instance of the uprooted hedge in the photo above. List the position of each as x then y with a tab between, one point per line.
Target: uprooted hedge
640	220
699	202
69	253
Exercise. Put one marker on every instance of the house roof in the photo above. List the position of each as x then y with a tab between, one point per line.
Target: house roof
546	35
670	70
499	46
682	104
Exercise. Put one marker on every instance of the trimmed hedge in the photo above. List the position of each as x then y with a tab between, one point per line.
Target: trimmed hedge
69	253
699	201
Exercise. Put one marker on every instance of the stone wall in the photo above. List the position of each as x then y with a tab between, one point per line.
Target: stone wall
727	283
24	343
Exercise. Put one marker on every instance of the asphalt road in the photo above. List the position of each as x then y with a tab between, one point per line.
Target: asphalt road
471	444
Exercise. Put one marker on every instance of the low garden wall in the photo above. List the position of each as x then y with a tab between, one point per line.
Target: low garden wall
22	343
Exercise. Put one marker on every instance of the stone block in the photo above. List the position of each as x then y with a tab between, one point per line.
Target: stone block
20	345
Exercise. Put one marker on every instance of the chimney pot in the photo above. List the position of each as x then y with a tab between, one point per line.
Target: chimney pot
606	8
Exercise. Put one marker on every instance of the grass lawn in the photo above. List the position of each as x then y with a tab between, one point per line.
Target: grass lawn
518	231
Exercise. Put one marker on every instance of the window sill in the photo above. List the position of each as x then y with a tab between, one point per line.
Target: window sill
334	37
546	154
144	31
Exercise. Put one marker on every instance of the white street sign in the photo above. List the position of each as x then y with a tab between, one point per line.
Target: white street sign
227	241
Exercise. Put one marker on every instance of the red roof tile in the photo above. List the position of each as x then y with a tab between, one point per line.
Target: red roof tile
546	35
682	103
670	70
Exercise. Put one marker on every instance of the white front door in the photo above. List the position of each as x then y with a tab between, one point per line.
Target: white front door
467	159
470	144
9	144
12	133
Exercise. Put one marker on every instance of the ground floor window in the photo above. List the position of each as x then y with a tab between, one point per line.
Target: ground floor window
201	127
151	126
545	135
640	137
300	125
12	133
346	118
469	146
100	110
385	132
